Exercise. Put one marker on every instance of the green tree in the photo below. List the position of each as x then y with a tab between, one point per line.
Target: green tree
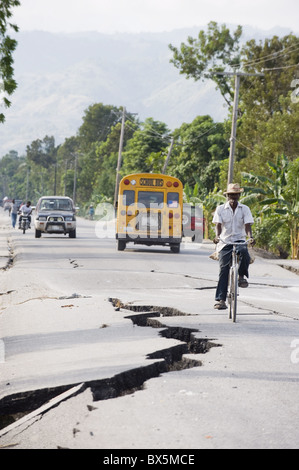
7	47
98	139
202	145
208	54
67	160
278	198
97	123
12	175
107	155
269	117
41	160
147	149
278	59
42	152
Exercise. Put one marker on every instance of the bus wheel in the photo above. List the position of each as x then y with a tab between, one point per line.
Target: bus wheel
121	245
175	248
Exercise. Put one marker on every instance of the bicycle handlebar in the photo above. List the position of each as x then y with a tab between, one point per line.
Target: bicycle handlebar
246	242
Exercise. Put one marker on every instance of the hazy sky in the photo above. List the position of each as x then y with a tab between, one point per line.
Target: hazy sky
109	16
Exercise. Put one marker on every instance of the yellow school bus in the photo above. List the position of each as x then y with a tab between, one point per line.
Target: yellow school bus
149	211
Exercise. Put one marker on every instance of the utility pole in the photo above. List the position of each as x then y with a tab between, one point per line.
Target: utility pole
233	131
75	178
119	156
55	177
168	156
64	191
237	76
27	181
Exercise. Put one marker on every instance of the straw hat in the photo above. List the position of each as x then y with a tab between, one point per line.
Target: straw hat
233	188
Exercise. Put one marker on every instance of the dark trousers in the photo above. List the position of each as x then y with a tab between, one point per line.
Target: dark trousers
225	256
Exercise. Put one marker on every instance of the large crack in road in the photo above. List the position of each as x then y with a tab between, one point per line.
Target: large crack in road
17	406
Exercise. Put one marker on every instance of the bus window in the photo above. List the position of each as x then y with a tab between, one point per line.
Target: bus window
173	200
128	197
148	198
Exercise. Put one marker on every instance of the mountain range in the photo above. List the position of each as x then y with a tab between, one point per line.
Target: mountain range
60	75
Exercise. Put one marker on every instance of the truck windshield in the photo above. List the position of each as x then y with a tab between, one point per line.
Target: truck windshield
56	204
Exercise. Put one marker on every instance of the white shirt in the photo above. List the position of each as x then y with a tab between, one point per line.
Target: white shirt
25	209
233	223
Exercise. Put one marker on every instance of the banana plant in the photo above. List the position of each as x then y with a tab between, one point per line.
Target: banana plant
271	194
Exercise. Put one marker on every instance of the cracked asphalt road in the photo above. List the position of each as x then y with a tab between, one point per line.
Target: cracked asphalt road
52	317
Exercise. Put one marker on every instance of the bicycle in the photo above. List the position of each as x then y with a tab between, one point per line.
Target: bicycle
233	284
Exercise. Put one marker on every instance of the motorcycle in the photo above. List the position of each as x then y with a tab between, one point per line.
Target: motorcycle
25	223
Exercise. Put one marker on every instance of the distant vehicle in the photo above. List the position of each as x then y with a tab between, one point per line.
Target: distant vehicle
193	222
55	214
7	204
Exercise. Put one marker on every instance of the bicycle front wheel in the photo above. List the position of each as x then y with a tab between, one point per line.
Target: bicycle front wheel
230	292
234	294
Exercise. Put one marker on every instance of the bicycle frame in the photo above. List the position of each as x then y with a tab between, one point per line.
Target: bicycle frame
233	286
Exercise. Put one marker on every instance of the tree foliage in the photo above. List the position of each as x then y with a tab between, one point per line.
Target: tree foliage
147	149
202	146
209	54
7	47
42	152
267	144
97	122
269	116
277	198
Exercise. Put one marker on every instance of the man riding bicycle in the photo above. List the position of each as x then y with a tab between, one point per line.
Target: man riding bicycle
233	222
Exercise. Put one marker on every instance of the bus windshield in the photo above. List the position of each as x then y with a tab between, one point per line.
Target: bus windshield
150	199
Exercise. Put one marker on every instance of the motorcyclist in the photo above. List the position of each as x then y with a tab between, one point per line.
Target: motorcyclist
26	210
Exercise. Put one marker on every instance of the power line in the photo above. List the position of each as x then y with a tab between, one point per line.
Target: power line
153	131
237	76
280	68
245	146
274	55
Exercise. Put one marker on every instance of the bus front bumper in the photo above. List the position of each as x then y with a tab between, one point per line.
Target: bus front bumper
148	240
